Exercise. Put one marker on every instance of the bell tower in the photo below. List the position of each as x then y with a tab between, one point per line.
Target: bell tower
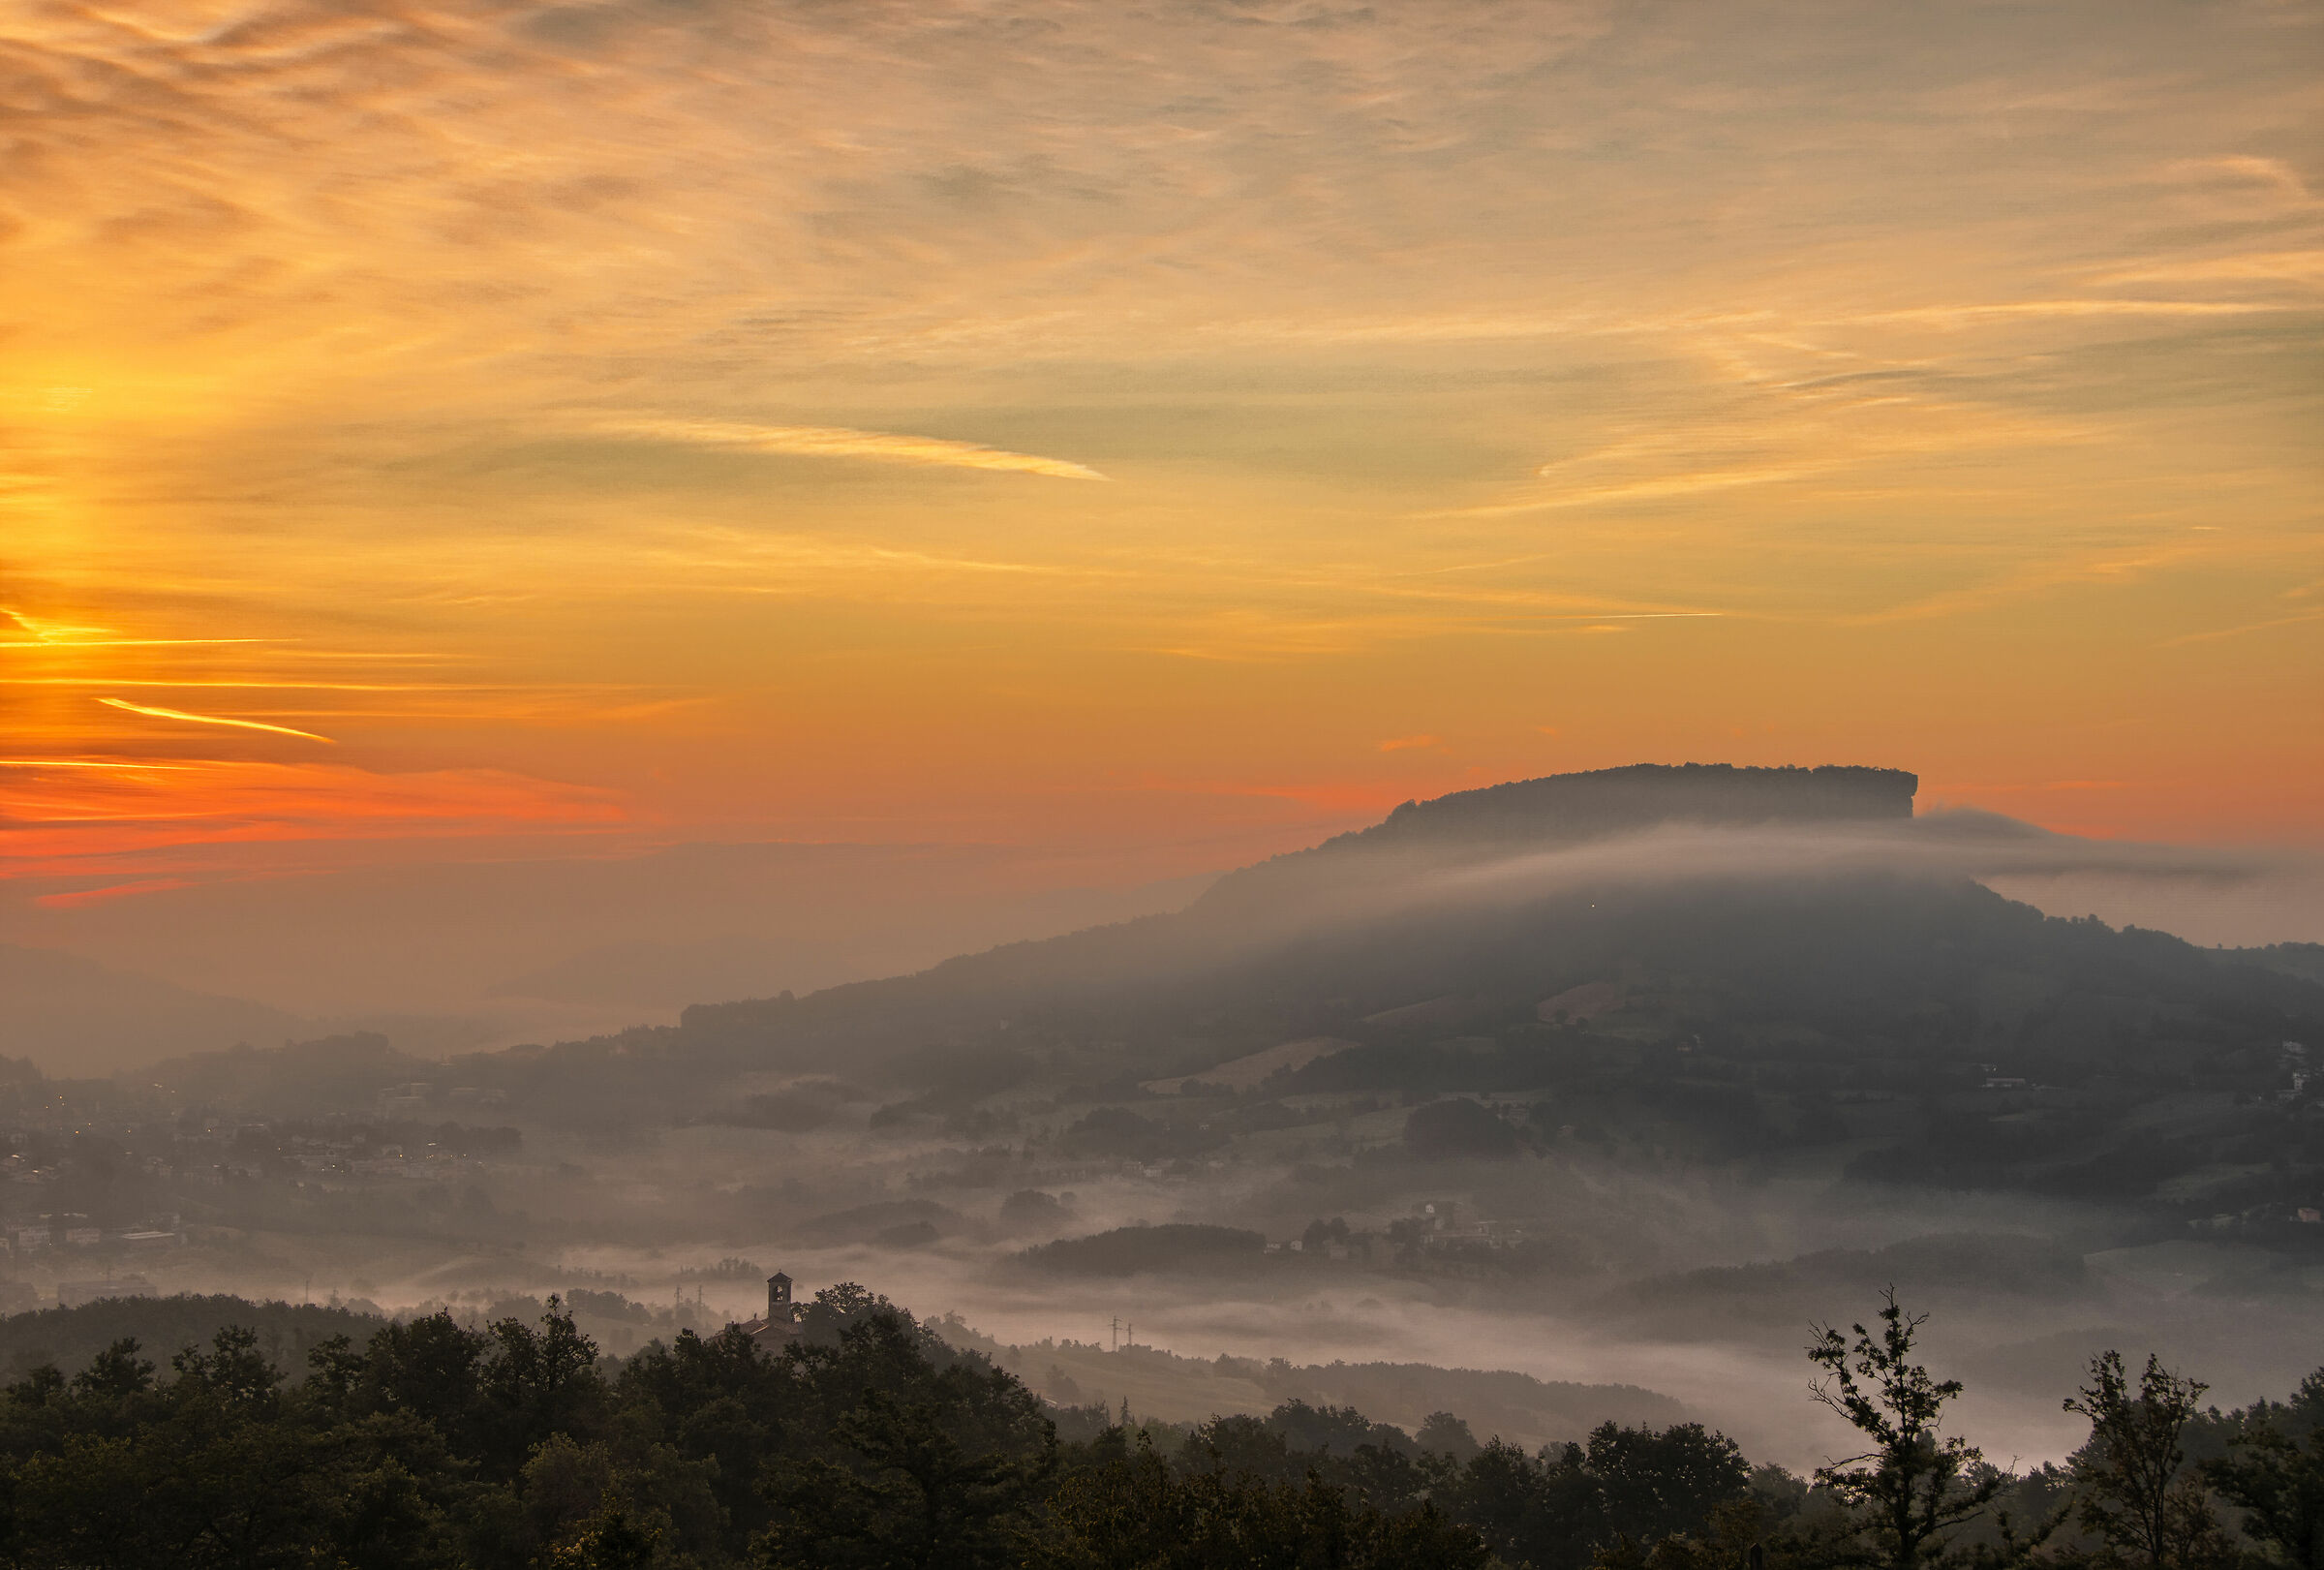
778	1297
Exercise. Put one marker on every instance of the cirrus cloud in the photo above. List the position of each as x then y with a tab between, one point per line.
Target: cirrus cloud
844	441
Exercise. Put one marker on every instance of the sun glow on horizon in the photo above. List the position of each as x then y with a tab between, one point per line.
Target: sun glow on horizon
587	420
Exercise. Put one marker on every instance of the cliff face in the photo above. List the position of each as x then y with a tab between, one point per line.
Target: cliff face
1610	801
1565	809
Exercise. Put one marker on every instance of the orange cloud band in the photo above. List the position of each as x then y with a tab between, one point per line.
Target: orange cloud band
66	821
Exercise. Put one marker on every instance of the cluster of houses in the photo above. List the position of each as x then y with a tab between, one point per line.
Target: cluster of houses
1433	1229
412	1100
345	1159
39	1234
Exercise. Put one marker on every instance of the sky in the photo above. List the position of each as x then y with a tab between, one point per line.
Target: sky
1120	440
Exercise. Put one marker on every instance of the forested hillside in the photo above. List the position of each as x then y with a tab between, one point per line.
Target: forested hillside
870	1441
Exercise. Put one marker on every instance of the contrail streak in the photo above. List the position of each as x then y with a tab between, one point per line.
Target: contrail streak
210	720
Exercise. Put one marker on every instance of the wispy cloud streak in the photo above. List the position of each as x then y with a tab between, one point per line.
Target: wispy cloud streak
158	713
843	442
1916	350
40	634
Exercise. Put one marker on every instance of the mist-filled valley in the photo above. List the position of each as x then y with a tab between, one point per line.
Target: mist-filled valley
1569	1102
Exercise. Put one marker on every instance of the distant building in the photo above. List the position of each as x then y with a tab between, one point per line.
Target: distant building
781	1324
408	1100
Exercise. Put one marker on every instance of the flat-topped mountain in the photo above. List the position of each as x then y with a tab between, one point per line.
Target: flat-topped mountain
1611	801
1850	920
1726	961
1571	809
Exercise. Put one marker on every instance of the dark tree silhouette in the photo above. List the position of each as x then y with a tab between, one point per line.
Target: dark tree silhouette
1916	1482
1134	1513
2278	1483
920	1466
2128	1479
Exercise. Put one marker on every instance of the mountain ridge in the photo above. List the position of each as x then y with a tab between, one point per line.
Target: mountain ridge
1553	809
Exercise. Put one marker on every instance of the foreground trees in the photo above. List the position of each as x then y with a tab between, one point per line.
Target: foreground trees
511	1445
2275	1475
898	1459
1916	1483
2134	1489
514	1447
1623	1485
1134	1511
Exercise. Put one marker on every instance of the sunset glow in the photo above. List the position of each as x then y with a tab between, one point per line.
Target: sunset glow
1165	432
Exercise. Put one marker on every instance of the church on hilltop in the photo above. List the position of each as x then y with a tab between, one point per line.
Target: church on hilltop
781	1324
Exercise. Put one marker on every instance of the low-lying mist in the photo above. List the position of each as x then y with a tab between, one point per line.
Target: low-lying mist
1620	1116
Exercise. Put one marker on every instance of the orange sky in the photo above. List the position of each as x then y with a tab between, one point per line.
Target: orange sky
1152	437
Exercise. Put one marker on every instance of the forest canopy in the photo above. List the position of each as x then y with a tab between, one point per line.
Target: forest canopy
868	1440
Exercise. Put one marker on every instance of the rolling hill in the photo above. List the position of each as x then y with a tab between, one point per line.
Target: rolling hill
74	1018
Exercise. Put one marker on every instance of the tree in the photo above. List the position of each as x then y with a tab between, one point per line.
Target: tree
1133	1513
116	1373
2127	1478
206	1471
1916	1482
1457	1128
2278	1485
1543	1512
1321	1234
427	1368
1340	1429
914	1467
849	1299
540	1378
720	1402
1662	1484
610	1540
1444	1434
1735	1535
1238	1442
233	1368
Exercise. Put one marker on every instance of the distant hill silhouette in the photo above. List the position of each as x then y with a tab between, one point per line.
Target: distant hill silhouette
1766	949
298	1078
1562	810
75	1018
1567	807
69	1338
2303	960
1256	910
